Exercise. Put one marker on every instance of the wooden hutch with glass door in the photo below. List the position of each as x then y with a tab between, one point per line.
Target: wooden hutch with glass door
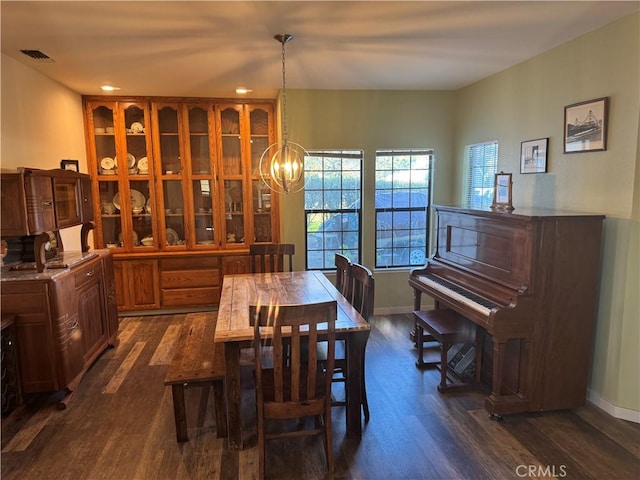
178	195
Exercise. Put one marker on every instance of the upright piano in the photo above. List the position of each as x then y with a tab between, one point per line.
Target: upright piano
529	281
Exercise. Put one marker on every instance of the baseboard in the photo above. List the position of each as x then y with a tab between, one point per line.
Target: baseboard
391	310
614	410
403	309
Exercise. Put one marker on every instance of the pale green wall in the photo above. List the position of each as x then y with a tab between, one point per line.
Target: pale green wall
527	102
370	120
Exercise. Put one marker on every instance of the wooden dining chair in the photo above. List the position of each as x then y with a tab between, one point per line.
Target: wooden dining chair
271	257
343	275
296	388
362	299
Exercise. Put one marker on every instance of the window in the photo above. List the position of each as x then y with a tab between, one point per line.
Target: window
332	200
402	199
482	165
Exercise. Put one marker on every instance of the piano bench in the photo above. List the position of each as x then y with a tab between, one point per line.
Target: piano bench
447	328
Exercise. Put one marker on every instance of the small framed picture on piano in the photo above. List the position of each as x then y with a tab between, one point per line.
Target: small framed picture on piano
502	190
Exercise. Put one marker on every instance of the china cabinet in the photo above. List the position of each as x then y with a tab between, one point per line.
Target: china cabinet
177	188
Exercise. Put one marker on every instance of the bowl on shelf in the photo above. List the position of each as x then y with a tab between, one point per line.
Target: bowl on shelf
147	241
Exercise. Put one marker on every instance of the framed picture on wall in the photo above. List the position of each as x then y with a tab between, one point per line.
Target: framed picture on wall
585	126
533	156
502	192
70	165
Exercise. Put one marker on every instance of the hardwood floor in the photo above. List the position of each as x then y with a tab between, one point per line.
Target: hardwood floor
120	426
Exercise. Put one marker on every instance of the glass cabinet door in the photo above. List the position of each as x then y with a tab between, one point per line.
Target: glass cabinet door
133	167
232	174
109	225
170	169
200	133
260	137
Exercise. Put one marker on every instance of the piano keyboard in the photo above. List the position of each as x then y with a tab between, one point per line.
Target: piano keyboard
459	294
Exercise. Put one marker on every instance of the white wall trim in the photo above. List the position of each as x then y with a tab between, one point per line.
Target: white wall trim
392	310
613	410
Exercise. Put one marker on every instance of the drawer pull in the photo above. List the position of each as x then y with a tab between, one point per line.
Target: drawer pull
90	273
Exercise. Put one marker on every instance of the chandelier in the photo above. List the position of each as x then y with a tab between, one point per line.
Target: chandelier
281	164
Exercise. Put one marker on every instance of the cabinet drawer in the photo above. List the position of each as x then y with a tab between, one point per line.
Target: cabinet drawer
87	273
181	297
193	263
189	278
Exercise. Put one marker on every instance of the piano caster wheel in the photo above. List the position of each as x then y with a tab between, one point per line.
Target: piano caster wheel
496	416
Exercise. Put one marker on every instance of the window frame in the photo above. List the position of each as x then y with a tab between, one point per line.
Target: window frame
487	184
350	204
410	210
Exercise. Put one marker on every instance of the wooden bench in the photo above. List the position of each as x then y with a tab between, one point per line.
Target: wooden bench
198	362
447	328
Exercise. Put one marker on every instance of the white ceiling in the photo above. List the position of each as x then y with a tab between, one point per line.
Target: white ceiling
208	48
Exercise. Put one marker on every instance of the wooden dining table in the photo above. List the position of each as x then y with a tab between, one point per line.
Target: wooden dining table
235	332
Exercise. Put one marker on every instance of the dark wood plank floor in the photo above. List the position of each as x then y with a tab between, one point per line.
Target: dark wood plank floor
120	426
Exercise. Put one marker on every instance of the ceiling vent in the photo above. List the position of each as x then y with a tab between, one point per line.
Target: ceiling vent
38	55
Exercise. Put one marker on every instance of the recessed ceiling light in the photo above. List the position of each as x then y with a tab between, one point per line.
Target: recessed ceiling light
243	90
109	88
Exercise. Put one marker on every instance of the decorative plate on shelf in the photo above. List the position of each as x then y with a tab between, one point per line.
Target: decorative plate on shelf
137	127
107	163
131	160
137	200
143	165
172	237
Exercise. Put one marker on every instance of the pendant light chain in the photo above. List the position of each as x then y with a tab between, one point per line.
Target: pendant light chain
285	135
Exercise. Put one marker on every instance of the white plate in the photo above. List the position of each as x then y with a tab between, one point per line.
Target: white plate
172	237
137	127
131	160
137	200
107	163
143	164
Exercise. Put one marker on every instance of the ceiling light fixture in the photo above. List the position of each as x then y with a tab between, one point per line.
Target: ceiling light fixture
243	90
281	164
109	88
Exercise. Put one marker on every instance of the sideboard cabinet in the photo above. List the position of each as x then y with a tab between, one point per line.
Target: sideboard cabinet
174	178
64	318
